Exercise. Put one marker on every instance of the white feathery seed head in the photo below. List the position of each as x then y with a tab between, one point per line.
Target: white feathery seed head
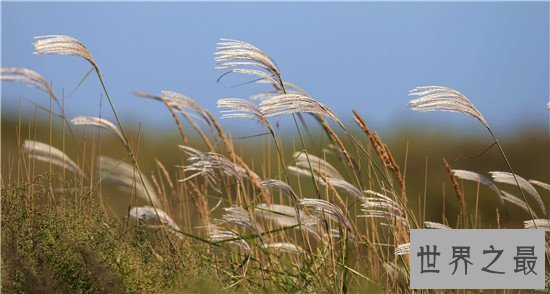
245	58
403	249
279	185
28	77
437	98
98	122
319	165
239	216
285	246
517	202
284	215
148	214
508	178
240	108
383	207
543	185
434	225
344	185
475	177
324	208
62	45
47	153
126	177
538	224
180	103
219	235
294	103
206	163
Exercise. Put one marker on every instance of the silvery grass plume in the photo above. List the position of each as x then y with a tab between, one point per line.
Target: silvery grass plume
537	224
285	246
517	202
151	214
182	104
47	153
543	185
219	235
509	178
344	185
319	166
437	98
240	108
99	122
28	77
295	103
434	225
126	178
239	216
287	216
325	208
289	88
381	206
245	58
279	185
475	177
206	163
283	215
403	249
62	45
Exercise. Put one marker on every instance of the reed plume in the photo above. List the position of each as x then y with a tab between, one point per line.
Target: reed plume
62	45
99	122
244	58
28	77
437	98
475	177
125	176
47	153
509	178
148	214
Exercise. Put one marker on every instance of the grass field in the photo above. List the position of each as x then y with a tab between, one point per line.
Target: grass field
90	205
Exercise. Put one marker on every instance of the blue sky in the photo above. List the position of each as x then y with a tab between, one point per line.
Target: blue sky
363	56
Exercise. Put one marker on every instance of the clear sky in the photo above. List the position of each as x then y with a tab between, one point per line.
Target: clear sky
363	56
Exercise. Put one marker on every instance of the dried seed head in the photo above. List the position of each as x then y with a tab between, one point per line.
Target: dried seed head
456	187
62	45
475	177
403	249
240	108
239	216
219	234
99	122
437	98
543	185
517	202
279	185
245	58
508	178
27	76
47	153
538	224
284	215
319	165
148	213
434	225
344	185
294	103
126	178
206	163
324	208
285	246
